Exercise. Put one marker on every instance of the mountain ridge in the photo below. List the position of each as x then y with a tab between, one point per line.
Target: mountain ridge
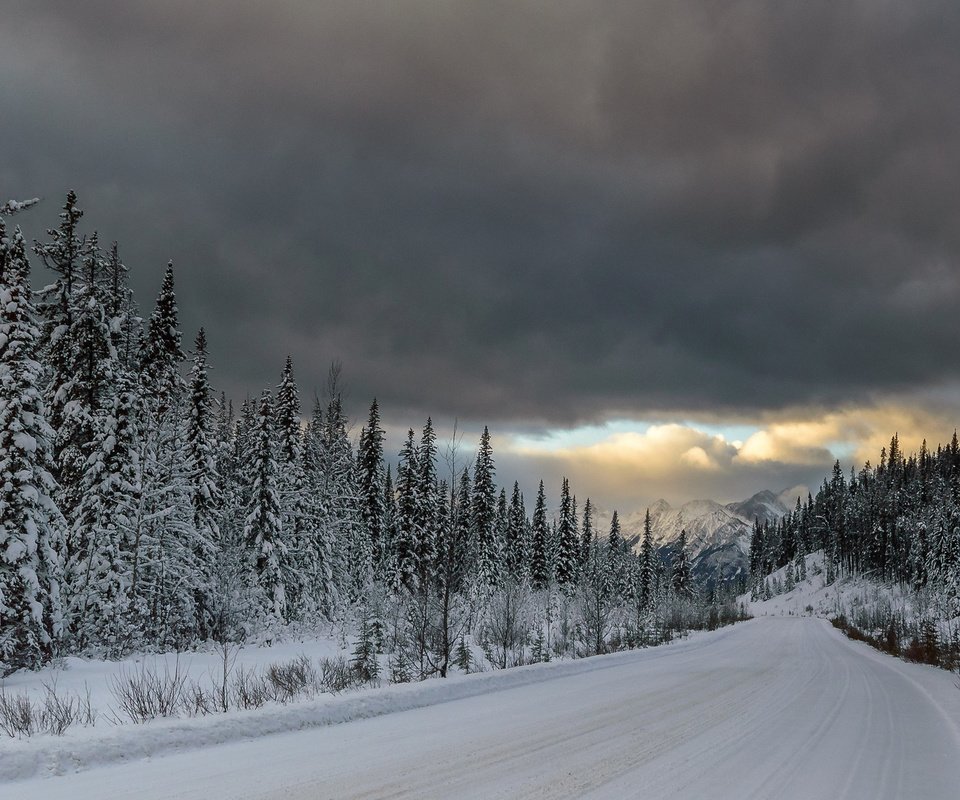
718	534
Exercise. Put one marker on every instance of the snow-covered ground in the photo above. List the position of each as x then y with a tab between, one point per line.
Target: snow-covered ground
79	675
845	595
810	596
782	707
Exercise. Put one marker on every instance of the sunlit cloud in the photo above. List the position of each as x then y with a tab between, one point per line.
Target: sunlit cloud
629	464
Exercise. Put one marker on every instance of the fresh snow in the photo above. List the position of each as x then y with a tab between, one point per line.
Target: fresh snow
782	707
813	596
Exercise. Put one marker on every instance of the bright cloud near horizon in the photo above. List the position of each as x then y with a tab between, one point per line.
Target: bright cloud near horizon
679	250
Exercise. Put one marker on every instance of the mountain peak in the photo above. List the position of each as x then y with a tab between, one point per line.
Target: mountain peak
659	507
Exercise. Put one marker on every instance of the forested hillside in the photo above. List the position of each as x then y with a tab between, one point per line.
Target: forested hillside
896	524
139	510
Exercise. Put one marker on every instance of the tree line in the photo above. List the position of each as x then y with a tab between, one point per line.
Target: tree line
139	510
896	523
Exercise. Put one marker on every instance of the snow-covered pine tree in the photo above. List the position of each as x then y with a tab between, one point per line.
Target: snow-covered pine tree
404	561
501	532
459	550
56	307
302	580
541	574
427	507
483	514
319	587
517	546
95	582
647	566
681	579
170	573
106	519
370	486
588	534
568	543
263	531
203	477
597	599
125	324
350	556
615	538
31	527
389	530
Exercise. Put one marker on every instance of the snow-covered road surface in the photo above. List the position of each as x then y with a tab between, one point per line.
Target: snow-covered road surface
773	708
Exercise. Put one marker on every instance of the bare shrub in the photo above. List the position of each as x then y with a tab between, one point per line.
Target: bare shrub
289	681
199	701
147	693
337	674
54	713
250	690
18	715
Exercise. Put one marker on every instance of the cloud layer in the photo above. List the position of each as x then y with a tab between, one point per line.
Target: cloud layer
514	213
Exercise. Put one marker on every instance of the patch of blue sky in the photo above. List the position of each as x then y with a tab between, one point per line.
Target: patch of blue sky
557	439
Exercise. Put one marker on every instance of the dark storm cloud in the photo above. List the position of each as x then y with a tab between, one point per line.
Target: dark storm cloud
518	212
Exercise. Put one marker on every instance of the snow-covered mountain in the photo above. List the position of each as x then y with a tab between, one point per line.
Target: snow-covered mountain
718	536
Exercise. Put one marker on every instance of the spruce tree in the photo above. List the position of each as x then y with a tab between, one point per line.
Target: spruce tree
405	563
63	255
615	538
427	506
540	562
516	545
319	587
647	566
31	526
588	534
343	537
680	573
171	575
291	483
263	530
483	514
203	477
568	541
370	485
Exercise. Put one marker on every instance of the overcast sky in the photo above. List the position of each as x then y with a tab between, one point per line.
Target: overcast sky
670	248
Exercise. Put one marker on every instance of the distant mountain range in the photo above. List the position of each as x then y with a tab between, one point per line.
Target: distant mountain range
718	536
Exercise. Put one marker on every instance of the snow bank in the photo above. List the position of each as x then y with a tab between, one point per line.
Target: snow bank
82	748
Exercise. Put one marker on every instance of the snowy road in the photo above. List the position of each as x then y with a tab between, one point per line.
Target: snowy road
773	708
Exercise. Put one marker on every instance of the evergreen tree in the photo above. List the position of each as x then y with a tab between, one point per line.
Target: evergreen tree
299	534
568	542
615	539
680	573
516	544
63	255
427	506
315	575
405	567
484	504
458	559
647	567
263	530
344	537
31	526
370	485
171	575
501	533
541	573
202	472
588	534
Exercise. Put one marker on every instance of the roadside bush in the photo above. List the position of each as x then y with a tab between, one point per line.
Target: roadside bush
147	693
53	714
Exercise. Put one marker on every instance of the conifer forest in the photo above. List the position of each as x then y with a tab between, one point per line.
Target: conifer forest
141	510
